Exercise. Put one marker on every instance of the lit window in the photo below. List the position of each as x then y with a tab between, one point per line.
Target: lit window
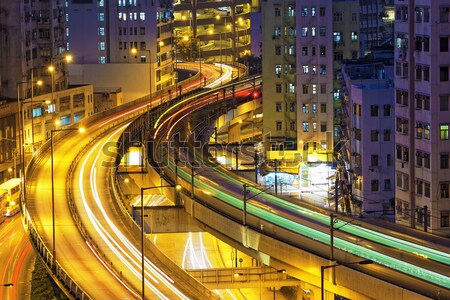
101	31
142	16
305	126
101	17
354	36
102	60
444	131
101	46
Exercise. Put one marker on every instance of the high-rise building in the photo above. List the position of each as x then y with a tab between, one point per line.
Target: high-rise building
422	90
120	34
298	81
33	77
30	44
376	24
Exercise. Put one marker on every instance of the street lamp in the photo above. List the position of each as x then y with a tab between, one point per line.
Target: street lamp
53	191
177	187
135	51
323	268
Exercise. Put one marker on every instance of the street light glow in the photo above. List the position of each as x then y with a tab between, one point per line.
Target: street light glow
51	68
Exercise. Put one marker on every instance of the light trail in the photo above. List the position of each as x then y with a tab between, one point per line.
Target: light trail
132	262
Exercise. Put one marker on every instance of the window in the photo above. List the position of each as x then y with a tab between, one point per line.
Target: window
337	17
304	51
426	160
101	31
443	73
305	89
323	107
278	70
426	102
314	107
292	125
277	12
322	11
418	72
386	110
304	12
374	135
444	131
142	16
323	69
323	88
443	44
443	103
445	220
388	160
279	125
426	15
305	108
277	50
338	55
323	127
102	60
313	11
354	36
419	187
101	46
292	106
387	185
374	160
322	31
278	107
313	31
419	130
426	73
444	161
314	126
444	190
304	31
374	185
305	69
354	17
387	135
313	51
374	110
443	14
427	189
323	51
305	126
278	89
291	88
101	17
426	131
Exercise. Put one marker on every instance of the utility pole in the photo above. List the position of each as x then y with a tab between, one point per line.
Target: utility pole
244	219
276	177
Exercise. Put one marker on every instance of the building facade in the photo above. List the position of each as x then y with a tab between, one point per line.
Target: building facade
298	79
124	32
220	29
376	23
422	90
366	150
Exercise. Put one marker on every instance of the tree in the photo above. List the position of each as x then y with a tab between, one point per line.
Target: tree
187	48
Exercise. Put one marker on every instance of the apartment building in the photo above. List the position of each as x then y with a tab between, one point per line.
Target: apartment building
366	150
298	79
422	90
34	93
376	24
108	39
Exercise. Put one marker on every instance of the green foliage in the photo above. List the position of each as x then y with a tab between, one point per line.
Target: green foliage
42	285
187	49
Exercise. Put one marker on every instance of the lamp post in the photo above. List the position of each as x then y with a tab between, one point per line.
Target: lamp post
53	191
143	230
38	83
323	268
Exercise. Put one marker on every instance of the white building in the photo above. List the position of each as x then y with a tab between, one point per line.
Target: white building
422	90
367	150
